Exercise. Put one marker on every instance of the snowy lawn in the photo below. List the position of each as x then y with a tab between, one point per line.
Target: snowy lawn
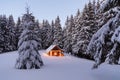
57	68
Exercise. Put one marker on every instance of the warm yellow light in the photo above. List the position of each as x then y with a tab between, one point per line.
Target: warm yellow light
45	54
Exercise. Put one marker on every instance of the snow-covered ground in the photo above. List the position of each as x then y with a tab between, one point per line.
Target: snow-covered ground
57	68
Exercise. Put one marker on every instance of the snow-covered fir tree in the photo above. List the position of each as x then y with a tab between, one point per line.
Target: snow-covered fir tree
46	34
52	31
75	32
11	34
68	34
18	30
104	45
75	29
8	38
3	36
65	35
58	33
29	56
38	30
85	29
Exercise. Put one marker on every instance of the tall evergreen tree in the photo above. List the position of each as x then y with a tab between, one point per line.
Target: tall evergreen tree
18	30
38	30
58	33
76	27
52	31
86	29
3	30
104	45
65	35
75	31
46	34
11	34
29	56
68	34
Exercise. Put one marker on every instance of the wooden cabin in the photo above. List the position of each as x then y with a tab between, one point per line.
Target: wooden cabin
54	50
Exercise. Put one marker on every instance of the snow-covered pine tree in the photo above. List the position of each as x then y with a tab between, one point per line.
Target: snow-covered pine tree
104	44
78	25
68	34
99	15
38	30
65	35
29	56
52	31
58	35
76	28
86	30
3	30
46	34
11	34
18	30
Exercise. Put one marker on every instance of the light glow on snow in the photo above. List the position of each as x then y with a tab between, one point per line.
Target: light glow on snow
46	55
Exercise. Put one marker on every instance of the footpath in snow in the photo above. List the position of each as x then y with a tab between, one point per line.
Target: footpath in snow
57	68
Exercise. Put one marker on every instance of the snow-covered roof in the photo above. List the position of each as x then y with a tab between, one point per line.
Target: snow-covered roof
51	47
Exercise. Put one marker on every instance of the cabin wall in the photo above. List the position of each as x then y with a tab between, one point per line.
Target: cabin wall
55	53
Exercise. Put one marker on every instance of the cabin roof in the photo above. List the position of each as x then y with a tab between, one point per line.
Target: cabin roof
52	47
